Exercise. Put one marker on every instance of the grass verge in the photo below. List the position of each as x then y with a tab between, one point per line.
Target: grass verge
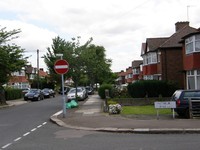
143	110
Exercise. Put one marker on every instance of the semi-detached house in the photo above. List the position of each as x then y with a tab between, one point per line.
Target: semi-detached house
191	60
163	57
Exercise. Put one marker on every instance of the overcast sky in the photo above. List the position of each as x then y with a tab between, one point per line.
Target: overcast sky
120	26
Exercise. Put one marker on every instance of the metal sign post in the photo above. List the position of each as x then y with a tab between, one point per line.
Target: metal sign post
61	67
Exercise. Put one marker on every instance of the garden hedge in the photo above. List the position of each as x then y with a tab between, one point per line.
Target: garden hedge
151	88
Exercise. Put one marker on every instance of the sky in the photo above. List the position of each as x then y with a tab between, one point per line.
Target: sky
120	26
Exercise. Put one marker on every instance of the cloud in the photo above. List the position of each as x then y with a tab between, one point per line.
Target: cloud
31	38
119	26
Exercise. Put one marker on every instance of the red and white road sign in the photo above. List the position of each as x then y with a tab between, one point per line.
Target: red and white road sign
61	66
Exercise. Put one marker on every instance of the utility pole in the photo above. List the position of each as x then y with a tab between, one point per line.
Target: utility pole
38	85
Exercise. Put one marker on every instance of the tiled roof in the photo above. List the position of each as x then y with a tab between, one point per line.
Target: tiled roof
129	70
42	73
122	73
143	48
154	43
136	63
18	79
174	40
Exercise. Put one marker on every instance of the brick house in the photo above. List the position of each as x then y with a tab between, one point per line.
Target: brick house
121	78
129	75
163	57
191	60
21	78
136	64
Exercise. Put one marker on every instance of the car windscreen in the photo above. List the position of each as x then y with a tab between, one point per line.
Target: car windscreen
191	94
74	90
33	91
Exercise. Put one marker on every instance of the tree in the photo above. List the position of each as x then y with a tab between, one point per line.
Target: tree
11	58
97	65
87	62
71	51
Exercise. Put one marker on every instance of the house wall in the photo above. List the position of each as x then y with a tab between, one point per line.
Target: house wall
135	77
150	69
172	65
191	61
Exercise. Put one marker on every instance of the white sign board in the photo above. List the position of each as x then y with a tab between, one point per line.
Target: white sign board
165	104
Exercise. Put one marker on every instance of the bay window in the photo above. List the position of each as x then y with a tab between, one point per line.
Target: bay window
150	58
193	79
192	44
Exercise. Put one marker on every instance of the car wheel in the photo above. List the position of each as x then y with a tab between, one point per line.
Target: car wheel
39	98
187	114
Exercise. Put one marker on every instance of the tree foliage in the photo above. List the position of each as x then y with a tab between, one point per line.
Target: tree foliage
87	62
11	58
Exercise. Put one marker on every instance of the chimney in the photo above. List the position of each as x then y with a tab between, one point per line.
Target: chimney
181	25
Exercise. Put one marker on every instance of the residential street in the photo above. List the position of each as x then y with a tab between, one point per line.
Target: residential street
28	126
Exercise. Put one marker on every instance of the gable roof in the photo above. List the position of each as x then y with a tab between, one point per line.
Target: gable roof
143	48
42	73
174	40
18	79
154	43
122	73
136	63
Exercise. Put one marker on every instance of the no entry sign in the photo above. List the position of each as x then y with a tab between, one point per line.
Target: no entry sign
61	66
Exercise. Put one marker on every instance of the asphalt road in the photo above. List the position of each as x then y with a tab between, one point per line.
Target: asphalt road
17	121
27	127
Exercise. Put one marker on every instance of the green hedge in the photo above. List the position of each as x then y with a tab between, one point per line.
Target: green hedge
102	88
12	94
151	88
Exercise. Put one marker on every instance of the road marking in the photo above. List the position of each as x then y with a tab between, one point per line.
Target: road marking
5	146
33	129
17	139
58	113
39	126
26	134
44	123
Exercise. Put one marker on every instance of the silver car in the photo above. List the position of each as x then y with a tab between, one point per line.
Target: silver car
81	95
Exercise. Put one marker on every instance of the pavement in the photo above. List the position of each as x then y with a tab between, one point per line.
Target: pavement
90	116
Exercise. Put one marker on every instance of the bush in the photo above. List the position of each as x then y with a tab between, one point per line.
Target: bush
12	94
151	88
102	88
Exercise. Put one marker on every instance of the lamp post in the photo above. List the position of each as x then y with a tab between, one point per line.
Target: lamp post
63	94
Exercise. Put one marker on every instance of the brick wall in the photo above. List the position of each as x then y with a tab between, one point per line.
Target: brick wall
172	66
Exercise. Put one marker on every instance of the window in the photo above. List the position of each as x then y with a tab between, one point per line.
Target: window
153	57
136	71
150	58
197	43
145	59
193	79
130	76
192	44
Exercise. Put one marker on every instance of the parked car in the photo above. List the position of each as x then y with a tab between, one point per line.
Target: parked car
48	92
81	95
90	90
66	89
84	90
24	91
34	95
181	97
